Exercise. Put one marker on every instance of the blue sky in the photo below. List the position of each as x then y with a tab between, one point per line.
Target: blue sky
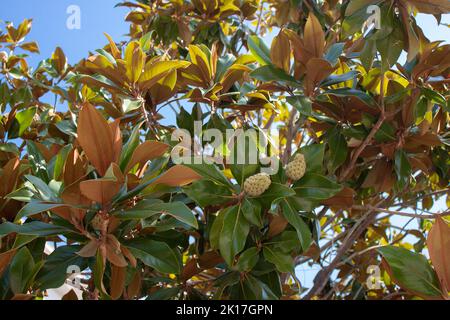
98	16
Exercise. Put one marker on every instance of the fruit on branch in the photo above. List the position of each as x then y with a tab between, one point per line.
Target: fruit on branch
296	169
256	185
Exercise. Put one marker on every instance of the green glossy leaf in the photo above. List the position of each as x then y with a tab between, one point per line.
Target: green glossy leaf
411	271
210	172
402	168
247	260
281	260
21	270
334	53
345	92
156	254
36	207
339	78
129	147
207	193
316	187
338	149
234	233
294	219
314	155
35	228
148	208
269	73
259	50
57	266
275	194
37	161
21	123
301	103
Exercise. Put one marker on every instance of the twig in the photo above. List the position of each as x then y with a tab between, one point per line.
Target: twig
324	275
371	135
290	136
404	214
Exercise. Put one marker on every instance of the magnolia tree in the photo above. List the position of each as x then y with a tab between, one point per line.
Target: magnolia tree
308	134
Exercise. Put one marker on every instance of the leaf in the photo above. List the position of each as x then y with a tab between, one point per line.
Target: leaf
316	187
402	168
431	6
294	219
202	62
35	228
177	176
411	271
70	296
314	38
207	193
314	155
114	252
282	261
30	46
334	52
96	138
339	78
434	96
301	103
37	161
55	270
259	50
317	69
275	194
210	172
438	243
35	207
338	149
145	152
5	259
269	73
21	270
129	148
345	92
252	212
146	209
390	48
234	233
195	266
100	191
157	255
280	52
155	71
247	260
114	50
59	60
344	199
135	59
254	289
46	194
21	123
117	283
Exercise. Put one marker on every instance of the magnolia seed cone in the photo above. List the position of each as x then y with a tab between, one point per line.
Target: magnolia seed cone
256	185
296	169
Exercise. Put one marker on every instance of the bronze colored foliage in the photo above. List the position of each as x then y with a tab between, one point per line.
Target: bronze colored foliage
364	136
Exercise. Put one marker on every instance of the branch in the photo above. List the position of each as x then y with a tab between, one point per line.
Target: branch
363	146
404	214
324	275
